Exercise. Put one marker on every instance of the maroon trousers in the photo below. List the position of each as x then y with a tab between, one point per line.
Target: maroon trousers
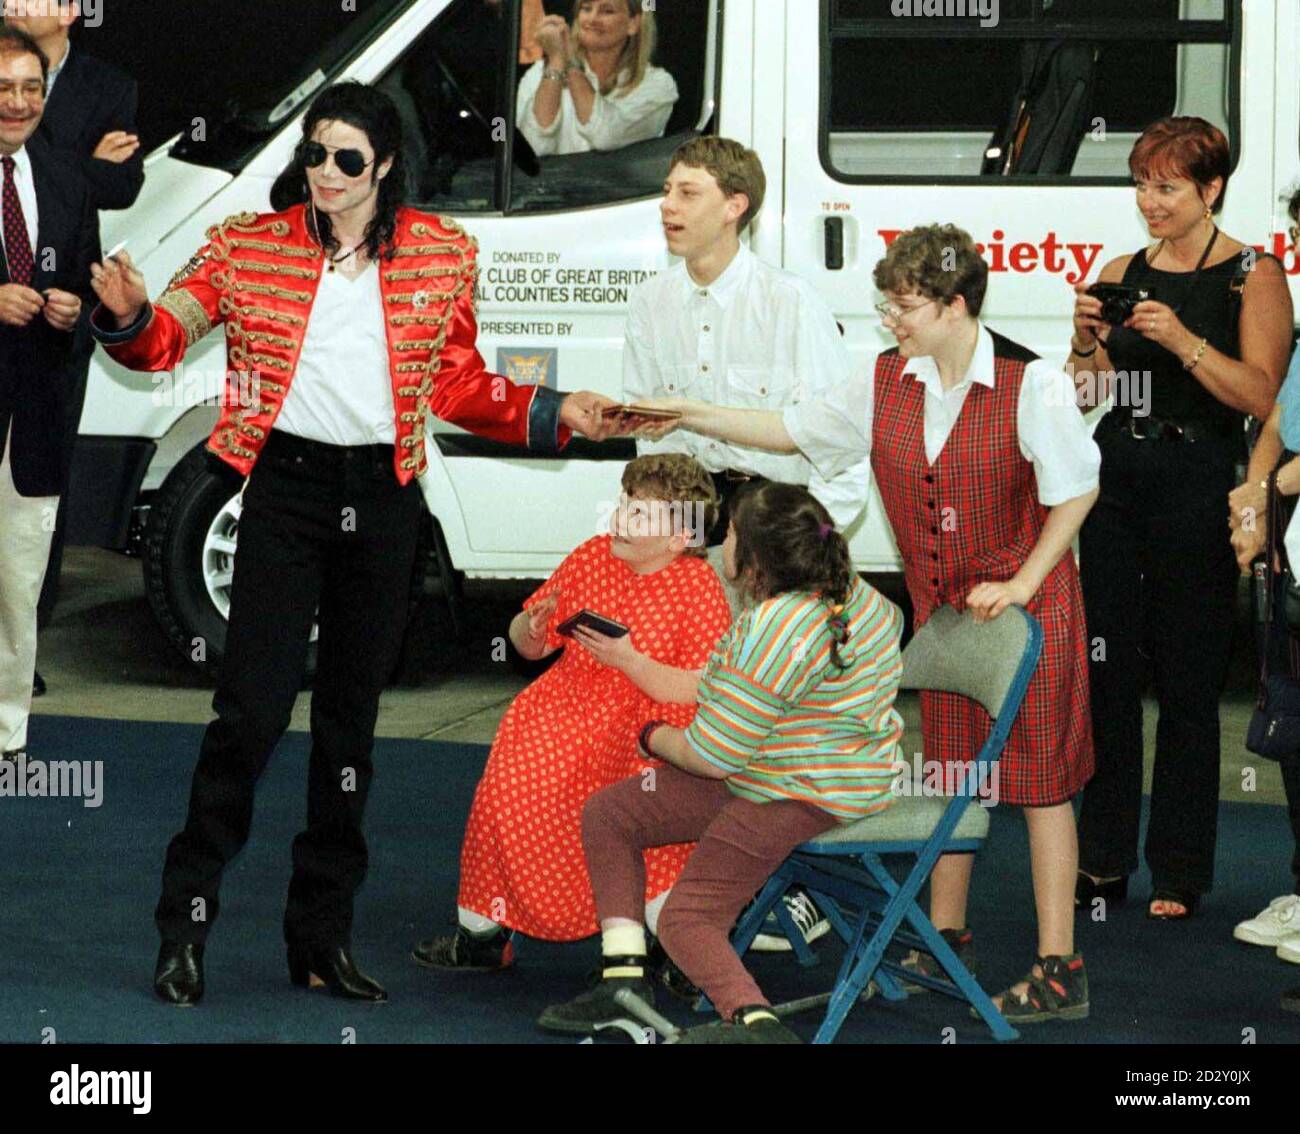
740	844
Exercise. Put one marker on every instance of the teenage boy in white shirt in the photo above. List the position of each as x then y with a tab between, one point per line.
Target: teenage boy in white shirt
726	326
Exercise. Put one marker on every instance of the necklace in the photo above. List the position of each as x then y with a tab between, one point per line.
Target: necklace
347	255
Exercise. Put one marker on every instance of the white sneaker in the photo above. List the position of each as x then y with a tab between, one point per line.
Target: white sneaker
1281	919
1288	949
806	916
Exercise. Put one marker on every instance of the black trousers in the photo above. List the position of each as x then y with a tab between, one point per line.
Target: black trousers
1291	784
1159	579
328	527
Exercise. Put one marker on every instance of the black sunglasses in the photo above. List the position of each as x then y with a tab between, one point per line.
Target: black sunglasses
350	163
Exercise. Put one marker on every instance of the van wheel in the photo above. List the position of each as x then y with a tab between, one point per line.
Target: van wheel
437	624
189	556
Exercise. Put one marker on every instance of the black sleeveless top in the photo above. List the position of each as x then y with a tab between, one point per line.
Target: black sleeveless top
1206	307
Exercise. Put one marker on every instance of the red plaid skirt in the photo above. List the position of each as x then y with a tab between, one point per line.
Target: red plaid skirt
1049	755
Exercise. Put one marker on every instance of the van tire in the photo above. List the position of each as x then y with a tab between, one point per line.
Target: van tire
437	622
181	516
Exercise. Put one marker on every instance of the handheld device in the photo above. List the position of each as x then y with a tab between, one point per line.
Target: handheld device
592	621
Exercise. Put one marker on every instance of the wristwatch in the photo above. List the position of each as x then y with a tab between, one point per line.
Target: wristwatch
647	731
555	73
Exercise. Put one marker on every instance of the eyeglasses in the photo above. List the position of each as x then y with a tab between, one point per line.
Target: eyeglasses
350	163
31	90
894	312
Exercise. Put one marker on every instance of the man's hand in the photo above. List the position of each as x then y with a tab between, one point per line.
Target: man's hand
120	288
581	412
62	309
117	146
1247	501
1248	544
18	305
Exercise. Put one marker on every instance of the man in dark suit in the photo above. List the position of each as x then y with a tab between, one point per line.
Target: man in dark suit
90	110
48	240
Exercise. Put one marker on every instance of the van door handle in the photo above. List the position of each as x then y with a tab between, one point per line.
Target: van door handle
834	229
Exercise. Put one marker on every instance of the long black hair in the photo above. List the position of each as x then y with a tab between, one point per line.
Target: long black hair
786	541
372	112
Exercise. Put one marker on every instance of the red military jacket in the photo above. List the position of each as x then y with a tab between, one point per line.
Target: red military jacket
258	275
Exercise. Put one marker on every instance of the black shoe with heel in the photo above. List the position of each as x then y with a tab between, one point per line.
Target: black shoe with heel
178	975
334	969
1113	891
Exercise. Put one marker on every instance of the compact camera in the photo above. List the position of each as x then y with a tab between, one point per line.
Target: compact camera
1117	300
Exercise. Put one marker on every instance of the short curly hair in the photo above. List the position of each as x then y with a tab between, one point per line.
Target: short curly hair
940	261
677	479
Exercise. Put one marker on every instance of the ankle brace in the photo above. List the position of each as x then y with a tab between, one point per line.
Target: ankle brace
755	1013
623	968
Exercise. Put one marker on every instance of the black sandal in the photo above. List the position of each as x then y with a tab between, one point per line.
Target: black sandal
1113	891
1061	993
1187	901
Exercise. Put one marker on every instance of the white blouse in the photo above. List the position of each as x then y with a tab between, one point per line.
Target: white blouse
834	431
616	119
341	393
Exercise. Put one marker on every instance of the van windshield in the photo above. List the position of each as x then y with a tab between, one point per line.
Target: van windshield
255	80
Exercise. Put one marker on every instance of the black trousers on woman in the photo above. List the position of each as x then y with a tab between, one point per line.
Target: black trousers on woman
1159	577
326	533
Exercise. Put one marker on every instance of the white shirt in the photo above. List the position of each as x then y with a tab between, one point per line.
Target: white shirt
26	197
341	393
836	431
758	338
616	119
55	72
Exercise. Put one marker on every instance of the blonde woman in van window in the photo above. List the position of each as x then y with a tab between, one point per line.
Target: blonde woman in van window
595	87
1211	343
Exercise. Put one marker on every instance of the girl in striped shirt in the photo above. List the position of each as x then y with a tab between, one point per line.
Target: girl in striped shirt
795	731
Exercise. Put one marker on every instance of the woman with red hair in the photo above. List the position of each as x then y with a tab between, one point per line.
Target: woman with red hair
1207	345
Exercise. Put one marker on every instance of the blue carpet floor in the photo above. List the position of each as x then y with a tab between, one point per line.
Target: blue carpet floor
78	885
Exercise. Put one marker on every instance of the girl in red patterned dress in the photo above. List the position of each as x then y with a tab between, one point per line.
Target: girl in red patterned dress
574	730
986	470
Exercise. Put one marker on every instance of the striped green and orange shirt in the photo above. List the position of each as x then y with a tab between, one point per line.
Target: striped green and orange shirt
785	723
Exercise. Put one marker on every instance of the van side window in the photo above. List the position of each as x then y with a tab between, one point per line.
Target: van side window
658	94
447	89
1015	89
483	135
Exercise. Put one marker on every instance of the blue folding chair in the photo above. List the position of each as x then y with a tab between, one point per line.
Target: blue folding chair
843	869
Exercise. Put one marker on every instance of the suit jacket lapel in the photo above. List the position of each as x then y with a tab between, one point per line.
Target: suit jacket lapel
50	218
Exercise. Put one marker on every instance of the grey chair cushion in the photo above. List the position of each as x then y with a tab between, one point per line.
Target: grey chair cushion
955	653
909	817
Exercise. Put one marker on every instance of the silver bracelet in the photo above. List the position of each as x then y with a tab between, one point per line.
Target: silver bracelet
554	73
